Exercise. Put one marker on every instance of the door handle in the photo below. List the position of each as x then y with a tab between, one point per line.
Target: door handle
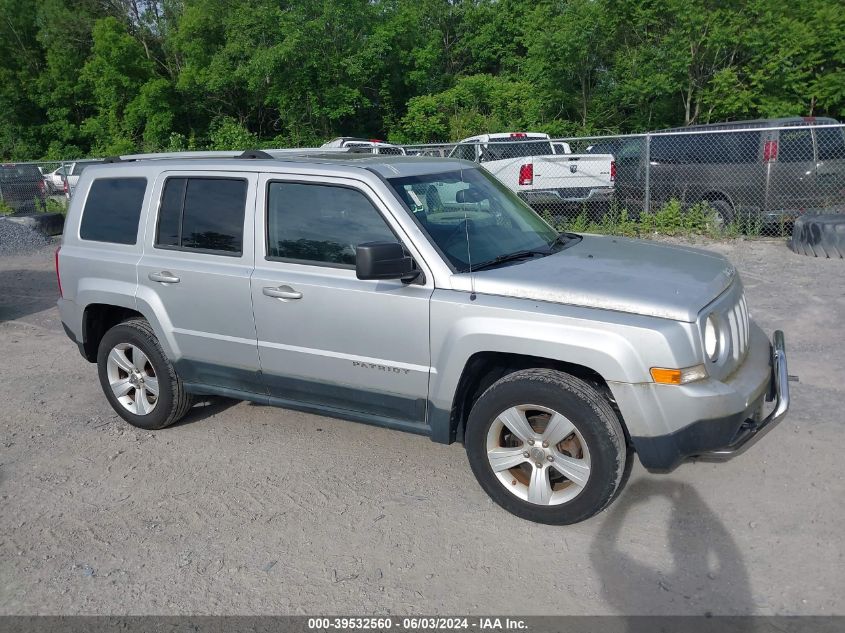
282	292
164	277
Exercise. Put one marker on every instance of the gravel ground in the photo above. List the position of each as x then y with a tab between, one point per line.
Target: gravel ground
16	239
249	509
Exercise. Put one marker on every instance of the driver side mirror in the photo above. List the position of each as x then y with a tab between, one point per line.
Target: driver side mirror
384	260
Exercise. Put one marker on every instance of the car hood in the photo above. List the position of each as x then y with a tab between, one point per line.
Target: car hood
615	273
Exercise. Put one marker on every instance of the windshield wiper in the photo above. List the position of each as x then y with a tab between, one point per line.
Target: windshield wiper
510	257
563	239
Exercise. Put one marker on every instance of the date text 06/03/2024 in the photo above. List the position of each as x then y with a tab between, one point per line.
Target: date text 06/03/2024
417	623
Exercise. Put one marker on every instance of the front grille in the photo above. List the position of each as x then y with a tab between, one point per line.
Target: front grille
737	318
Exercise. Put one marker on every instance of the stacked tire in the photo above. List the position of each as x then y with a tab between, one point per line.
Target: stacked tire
819	236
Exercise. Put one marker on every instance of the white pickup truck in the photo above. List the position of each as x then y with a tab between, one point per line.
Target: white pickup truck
546	175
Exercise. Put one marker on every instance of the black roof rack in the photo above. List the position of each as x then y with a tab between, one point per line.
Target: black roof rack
255	154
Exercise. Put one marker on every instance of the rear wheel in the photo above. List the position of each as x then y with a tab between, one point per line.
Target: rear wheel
138	380
546	446
724	213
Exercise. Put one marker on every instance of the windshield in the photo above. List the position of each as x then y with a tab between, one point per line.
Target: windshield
472	217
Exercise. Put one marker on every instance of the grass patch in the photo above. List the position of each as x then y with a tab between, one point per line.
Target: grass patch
50	206
673	218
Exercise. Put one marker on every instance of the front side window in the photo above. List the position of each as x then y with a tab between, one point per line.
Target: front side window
112	210
742	147
472	217
203	214
322	224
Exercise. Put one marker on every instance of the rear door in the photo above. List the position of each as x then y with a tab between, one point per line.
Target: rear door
327	338
194	274
792	177
829	190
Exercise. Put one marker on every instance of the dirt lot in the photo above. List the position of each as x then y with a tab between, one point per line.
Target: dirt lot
250	509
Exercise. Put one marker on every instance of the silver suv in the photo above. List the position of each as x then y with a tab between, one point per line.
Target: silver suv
418	294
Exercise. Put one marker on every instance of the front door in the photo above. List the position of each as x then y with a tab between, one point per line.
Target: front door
326	338
194	274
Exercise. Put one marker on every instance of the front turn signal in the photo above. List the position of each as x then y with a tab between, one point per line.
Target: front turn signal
664	376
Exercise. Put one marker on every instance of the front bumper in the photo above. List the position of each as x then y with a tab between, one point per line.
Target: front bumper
724	437
752	431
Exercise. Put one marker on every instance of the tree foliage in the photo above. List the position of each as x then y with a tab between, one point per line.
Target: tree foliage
98	77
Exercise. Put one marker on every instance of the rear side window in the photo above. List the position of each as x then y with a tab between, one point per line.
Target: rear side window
831	143
742	147
112	210
203	214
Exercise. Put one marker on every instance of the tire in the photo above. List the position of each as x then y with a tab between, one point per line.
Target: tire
596	442
724	212
170	403
819	236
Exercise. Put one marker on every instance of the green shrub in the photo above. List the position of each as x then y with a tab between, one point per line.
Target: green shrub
670	219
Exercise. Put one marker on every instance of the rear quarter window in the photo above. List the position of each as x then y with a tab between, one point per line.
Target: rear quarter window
112	210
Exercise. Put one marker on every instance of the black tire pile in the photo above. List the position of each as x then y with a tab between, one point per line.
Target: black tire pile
819	236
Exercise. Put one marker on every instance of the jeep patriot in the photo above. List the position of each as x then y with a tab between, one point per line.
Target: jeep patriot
418	294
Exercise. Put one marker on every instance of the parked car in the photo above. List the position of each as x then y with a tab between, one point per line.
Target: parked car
55	180
74	170
546	175
441	151
22	187
373	145
771	174
466	317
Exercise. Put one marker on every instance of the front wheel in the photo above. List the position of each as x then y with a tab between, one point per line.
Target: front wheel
547	447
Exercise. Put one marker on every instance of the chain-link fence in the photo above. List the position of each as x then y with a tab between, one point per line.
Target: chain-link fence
37	187
749	178
741	178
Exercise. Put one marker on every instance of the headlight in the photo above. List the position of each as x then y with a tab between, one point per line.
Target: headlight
711	338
